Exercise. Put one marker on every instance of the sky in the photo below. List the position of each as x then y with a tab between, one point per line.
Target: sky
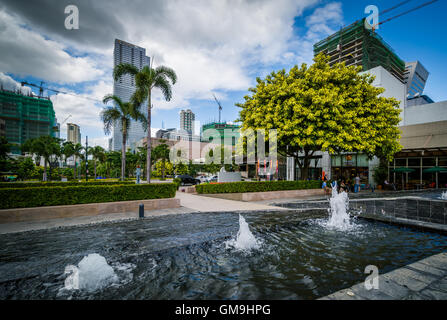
215	46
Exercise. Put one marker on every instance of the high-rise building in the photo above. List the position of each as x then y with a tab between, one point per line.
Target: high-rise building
359	46
124	88
73	133
415	78
187	118
222	128
25	117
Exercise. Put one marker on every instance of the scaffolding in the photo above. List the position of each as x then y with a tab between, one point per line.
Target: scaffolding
359	46
25	117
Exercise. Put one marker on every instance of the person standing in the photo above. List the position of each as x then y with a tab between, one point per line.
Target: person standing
357	184
138	174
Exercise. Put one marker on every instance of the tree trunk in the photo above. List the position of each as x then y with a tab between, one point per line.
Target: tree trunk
305	171
148	142
123	155
95	168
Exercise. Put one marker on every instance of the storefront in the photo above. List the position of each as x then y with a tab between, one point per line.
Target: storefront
348	166
314	171
420	177
424	154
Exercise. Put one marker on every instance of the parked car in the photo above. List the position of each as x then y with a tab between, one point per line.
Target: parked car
186	179
213	179
203	179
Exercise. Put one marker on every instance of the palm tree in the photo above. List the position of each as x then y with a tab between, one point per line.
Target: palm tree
123	112
145	80
43	146
98	153
67	150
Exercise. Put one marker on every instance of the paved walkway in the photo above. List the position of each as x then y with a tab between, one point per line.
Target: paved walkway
422	280
208	204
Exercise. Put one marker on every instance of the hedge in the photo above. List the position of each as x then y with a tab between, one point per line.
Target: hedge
10	185
54	196
248	186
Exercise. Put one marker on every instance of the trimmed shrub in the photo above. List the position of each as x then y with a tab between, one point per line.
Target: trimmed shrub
14	185
257	186
177	181
54	196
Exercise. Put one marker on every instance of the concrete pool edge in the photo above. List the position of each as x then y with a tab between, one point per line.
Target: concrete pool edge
425	279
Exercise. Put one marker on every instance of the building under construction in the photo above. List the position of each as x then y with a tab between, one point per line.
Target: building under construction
359	46
25	117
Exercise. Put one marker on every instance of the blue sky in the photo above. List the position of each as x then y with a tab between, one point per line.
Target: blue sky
214	47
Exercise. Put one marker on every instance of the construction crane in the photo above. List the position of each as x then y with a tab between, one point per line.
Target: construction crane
218	103
66	119
41	89
403	13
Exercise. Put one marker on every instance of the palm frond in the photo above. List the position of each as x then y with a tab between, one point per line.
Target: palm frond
139	96
168	72
124	68
109	97
163	84
108	116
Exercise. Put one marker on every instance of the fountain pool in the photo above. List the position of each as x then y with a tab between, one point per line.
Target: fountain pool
292	255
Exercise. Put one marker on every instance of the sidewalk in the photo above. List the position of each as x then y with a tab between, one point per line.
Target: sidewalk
208	204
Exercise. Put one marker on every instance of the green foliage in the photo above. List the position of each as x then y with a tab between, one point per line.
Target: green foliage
44	146
380	173
323	108
177	182
5	147
181	168
53	196
249	186
163	168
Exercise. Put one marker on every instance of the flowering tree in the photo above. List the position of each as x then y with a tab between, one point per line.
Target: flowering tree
323	108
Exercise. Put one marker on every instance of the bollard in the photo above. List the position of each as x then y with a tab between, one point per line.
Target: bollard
141	211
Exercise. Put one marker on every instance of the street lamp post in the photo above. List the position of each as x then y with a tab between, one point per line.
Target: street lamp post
86	158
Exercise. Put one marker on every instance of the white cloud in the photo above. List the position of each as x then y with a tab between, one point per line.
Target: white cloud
324	21
25	52
10	84
213	45
84	112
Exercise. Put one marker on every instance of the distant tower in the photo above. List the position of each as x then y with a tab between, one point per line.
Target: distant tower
73	133
187	118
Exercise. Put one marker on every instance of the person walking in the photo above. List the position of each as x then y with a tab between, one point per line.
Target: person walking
357	184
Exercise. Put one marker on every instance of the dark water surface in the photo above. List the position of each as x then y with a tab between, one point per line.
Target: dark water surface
185	257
